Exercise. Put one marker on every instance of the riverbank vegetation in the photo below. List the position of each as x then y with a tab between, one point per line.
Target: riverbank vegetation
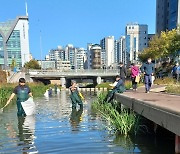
38	89
172	86
123	121
128	85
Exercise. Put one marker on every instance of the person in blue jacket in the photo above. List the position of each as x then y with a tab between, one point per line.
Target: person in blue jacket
148	70
23	92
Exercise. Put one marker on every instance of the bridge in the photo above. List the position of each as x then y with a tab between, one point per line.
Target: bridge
66	76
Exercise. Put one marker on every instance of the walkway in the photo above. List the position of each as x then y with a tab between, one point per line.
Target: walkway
163	109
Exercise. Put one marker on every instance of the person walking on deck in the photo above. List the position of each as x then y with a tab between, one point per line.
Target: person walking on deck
134	76
148	70
122	71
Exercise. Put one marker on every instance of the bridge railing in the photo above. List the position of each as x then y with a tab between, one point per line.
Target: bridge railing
73	72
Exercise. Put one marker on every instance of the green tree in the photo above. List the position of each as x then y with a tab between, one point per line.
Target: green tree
13	64
165	45
32	64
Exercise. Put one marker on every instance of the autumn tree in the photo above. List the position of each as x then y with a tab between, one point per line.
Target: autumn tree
165	45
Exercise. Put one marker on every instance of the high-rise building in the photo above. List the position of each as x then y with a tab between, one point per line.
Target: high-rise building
80	58
89	56
71	52
14	42
120	50
136	40
107	53
96	56
167	15
57	54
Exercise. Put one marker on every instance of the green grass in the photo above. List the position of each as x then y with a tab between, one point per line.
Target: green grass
165	81
123	121
173	89
38	89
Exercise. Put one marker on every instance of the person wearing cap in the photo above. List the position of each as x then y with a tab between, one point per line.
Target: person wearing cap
23	92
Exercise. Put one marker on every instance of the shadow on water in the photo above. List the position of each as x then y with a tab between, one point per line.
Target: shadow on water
56	128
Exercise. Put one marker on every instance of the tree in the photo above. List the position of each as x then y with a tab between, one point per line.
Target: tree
32	64
13	64
165	45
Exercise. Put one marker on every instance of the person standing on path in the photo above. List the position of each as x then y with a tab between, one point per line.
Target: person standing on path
123	72
174	71
134	75
178	73
23	92
148	70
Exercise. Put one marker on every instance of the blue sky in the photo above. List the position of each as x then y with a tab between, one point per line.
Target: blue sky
78	22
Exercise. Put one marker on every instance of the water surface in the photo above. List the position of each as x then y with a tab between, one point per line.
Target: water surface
56	128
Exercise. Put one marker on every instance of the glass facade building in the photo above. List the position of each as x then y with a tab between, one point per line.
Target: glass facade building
14	43
167	15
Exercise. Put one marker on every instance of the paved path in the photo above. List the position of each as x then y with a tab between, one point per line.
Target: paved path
155	97
161	108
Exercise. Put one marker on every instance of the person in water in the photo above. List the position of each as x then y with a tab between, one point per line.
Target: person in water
75	97
119	87
23	92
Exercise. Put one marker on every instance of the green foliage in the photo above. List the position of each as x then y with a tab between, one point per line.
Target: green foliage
5	93
13	63
123	121
167	44
32	64
104	85
128	85
38	89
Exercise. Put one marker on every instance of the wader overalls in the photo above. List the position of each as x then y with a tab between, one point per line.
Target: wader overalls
22	95
75	98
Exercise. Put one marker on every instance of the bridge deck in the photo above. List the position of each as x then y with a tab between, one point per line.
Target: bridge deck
163	109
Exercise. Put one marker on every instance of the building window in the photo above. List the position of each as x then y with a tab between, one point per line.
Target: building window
132	27
144	43
144	32
145	38
129	27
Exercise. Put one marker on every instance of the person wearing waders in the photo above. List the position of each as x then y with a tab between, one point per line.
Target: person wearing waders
75	97
23	92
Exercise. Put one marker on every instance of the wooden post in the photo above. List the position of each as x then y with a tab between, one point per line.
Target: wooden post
177	144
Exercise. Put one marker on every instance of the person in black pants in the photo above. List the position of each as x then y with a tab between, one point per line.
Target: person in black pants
123	72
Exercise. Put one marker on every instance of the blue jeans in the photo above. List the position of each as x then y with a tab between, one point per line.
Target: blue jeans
148	82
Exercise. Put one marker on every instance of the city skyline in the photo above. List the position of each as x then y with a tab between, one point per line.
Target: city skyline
78	24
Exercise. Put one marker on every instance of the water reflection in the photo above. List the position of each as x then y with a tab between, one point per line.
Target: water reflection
76	118
26	127
56	128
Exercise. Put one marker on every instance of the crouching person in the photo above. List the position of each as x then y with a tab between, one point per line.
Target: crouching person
75	97
118	88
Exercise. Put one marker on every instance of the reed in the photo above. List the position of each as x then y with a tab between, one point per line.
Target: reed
123	121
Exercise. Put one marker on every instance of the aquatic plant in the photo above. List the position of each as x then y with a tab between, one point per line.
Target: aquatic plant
120	121
5	93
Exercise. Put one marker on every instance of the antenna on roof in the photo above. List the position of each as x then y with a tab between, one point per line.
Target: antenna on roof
26	8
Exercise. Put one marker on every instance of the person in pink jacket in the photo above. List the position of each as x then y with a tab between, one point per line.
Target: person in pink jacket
134	74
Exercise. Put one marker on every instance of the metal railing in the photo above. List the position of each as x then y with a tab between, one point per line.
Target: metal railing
92	72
